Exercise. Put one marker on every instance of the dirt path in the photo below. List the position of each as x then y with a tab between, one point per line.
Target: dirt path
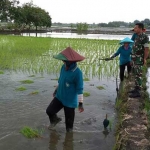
133	131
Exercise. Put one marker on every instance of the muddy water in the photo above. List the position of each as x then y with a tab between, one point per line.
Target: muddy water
21	108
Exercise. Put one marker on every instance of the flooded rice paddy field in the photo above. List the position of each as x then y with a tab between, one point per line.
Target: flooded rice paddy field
25	104
24	108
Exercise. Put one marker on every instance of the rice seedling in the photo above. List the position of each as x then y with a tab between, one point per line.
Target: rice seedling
86	94
1	72
100	87
27	81
21	88
55	79
35	55
31	133
86	79
34	92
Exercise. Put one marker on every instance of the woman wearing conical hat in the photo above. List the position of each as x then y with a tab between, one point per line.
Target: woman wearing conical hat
69	92
125	52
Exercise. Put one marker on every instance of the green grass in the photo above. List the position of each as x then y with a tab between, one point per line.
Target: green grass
86	94
100	87
30	133
55	79
21	88
1	72
27	81
34	92
86	79
118	103
145	95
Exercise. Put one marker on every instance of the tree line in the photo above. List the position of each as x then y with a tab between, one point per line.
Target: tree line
29	16
109	24
146	22
26	16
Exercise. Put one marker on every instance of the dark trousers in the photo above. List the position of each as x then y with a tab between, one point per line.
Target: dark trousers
55	106
122	69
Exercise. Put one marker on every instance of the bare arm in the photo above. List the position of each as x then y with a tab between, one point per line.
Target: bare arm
146	53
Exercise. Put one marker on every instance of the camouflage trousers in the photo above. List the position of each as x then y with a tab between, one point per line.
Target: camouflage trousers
137	70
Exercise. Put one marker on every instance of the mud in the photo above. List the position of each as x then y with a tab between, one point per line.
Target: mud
21	108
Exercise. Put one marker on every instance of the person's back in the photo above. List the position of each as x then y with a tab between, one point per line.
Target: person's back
70	85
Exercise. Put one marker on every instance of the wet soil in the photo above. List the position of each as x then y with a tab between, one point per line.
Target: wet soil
21	108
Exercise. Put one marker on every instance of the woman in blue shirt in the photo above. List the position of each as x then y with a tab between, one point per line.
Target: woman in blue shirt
125	56
69	92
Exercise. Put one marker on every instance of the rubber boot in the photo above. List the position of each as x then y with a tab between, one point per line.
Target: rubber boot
54	120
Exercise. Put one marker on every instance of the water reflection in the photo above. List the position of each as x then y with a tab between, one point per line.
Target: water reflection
68	142
106	132
55	138
74	35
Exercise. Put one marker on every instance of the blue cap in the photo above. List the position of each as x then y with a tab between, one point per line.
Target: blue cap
126	40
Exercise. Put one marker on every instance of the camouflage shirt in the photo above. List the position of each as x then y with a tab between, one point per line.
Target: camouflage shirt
141	41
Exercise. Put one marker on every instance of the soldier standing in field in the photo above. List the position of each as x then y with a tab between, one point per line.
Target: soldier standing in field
140	52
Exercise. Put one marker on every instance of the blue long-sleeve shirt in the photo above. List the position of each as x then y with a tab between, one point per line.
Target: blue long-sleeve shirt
125	55
134	36
70	84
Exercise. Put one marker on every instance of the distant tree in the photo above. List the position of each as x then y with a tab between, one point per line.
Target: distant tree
79	28
40	18
131	24
102	24
22	16
85	28
113	24
146	23
29	15
6	9
136	21
82	28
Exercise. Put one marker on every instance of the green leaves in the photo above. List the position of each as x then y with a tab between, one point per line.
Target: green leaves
30	133
82	28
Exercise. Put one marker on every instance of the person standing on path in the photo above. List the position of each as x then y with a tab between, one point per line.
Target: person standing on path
140	51
69	92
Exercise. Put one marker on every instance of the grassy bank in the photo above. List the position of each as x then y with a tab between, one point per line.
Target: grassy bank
133	127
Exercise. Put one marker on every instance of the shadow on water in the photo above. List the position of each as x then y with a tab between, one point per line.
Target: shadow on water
67	144
54	138
106	132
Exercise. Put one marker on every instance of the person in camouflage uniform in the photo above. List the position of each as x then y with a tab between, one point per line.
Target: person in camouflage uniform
140	51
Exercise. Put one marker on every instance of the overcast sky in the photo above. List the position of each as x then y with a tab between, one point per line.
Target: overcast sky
94	11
